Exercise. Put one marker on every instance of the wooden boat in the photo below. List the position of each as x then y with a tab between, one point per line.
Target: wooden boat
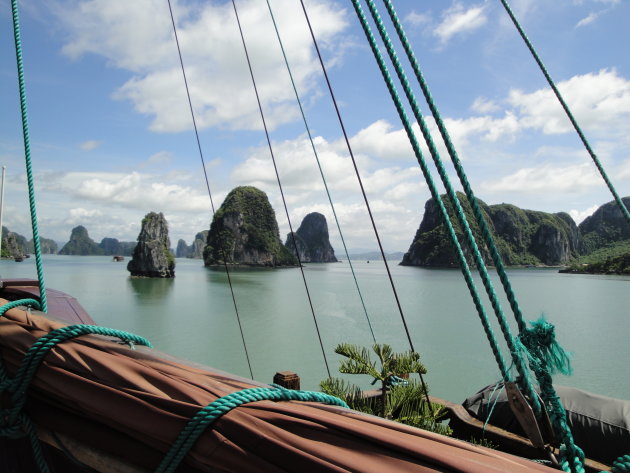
101	405
113	408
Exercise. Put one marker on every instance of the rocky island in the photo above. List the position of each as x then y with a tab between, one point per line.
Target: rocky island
195	250
80	244
312	241
152	257
605	242
244	231
523	237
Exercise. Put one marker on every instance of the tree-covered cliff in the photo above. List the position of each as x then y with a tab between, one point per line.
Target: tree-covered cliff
80	244
604	228
244	231
111	246
523	237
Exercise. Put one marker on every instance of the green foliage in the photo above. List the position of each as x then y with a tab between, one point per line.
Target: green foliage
521	236
245	216
403	402
80	244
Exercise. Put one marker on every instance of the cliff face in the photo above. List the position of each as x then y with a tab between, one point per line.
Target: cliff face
245	231
522	236
182	249
312	240
606	226
48	247
196	249
80	244
111	246
152	257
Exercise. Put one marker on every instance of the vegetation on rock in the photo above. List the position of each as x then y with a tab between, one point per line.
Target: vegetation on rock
523	237
152	256
111	246
244	231
80	244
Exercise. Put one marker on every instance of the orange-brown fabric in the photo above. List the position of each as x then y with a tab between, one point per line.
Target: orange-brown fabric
134	404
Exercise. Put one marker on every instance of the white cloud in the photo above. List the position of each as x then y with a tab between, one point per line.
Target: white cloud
579	215
484	105
131	191
599	101
379	140
138	38
416	19
457	20
160	157
81	212
573	179
590	18
90	145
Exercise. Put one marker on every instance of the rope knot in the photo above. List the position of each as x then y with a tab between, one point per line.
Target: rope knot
11	425
543	349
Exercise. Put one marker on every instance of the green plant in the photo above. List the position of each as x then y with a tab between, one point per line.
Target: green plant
400	398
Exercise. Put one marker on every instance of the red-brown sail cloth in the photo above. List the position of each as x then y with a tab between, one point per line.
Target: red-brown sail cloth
134	403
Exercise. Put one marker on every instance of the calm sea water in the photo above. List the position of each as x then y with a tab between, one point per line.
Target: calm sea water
193	317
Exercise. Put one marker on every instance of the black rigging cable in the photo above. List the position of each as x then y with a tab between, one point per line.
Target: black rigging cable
262	115
356	169
310	137
203	164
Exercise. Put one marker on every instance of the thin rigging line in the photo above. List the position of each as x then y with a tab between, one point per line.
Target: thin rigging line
354	163
321	171
203	164
576	126
275	167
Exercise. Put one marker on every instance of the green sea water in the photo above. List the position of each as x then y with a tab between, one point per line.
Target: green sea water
192	316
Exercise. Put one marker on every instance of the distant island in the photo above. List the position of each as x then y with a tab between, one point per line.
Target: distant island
527	237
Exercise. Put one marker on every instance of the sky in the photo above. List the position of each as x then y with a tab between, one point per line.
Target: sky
112	136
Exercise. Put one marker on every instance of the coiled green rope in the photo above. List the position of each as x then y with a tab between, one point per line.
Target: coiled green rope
14	423
209	414
21	302
27	154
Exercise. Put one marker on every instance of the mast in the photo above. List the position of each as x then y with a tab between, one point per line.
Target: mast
4	171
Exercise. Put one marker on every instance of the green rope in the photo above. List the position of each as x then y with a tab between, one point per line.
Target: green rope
547	357
209	414
14	423
321	171
600	168
20	302
620	465
481	221
543	352
27	154
436	196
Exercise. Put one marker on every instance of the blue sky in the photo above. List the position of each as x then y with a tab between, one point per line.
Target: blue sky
112	134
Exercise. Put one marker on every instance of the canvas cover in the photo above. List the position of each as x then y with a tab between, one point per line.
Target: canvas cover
133	404
600	425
